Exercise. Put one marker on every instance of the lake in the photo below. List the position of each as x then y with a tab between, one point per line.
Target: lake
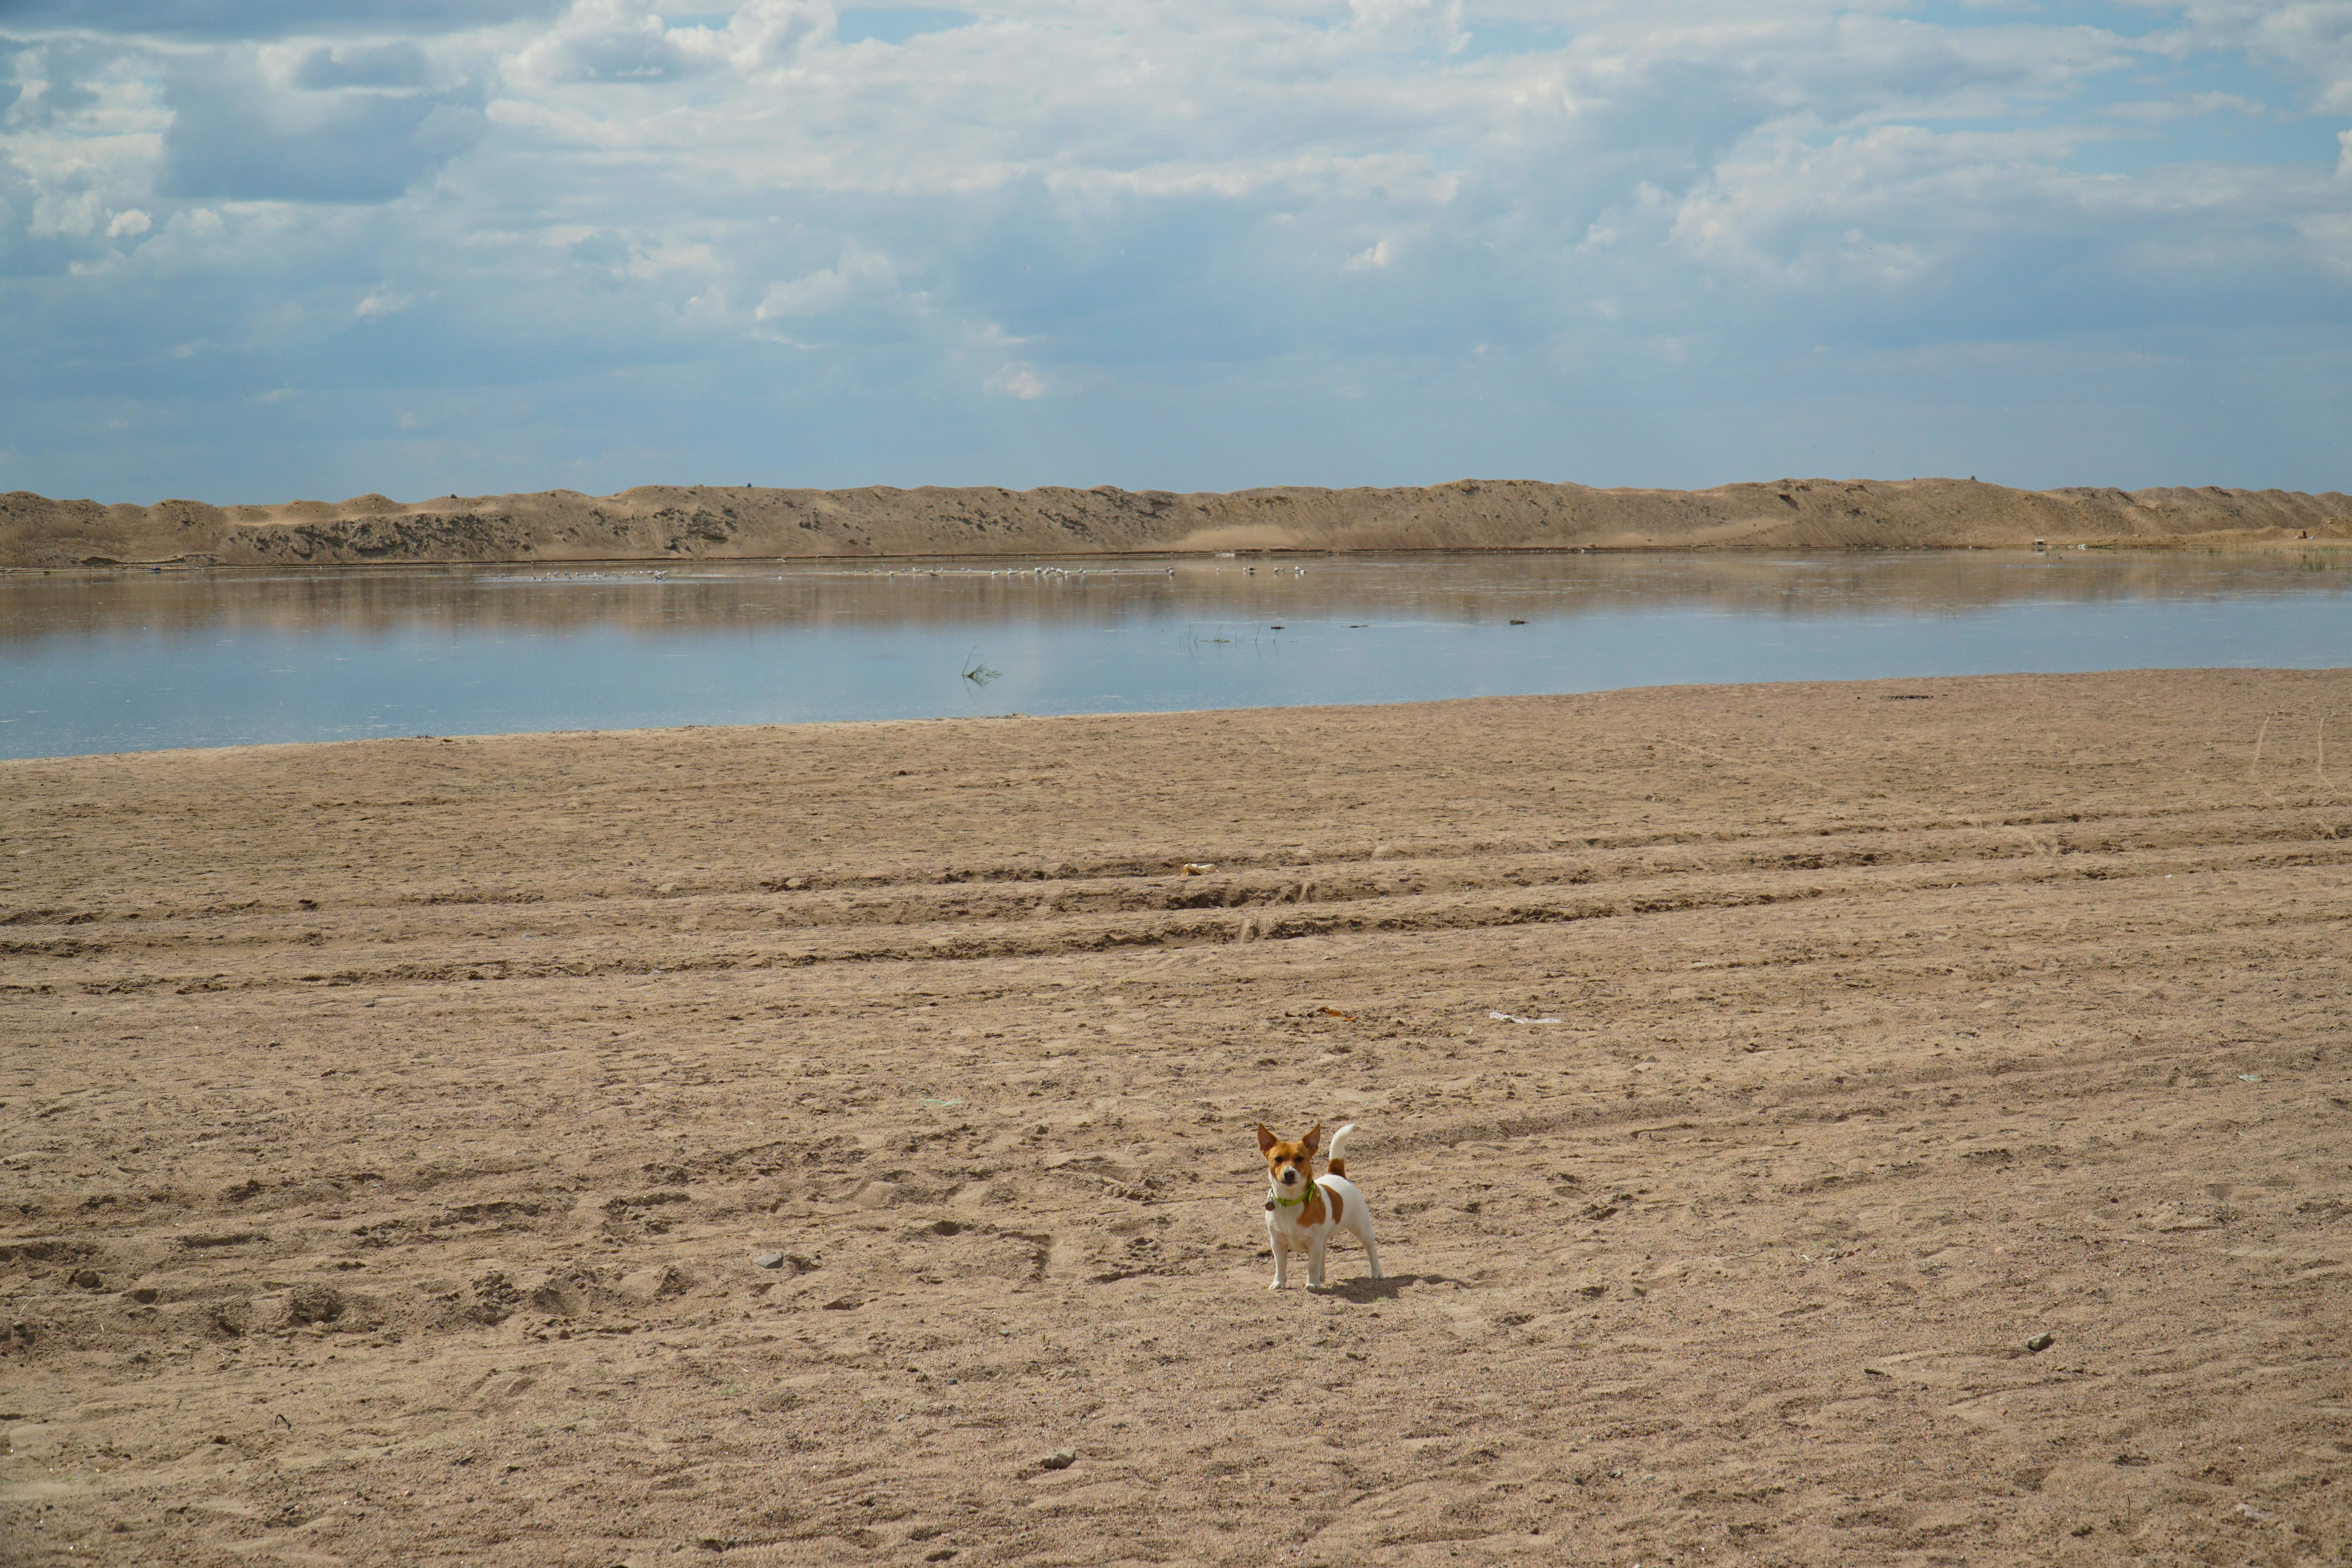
136	661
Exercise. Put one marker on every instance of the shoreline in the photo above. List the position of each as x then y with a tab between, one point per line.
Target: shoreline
751	730
2216	545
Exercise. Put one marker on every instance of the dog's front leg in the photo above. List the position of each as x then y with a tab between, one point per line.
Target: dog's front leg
1315	1263
1281	1256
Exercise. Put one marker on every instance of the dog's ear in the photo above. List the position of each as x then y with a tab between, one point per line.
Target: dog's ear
1314	1139
1265	1140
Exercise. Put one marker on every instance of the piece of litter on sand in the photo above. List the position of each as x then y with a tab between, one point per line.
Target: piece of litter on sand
767	1260
2250	1077
1199	868
2251	1511
1514	1018
944	1103
1343	1018
2040	1342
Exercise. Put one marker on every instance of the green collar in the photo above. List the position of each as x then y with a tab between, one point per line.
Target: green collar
1287	1202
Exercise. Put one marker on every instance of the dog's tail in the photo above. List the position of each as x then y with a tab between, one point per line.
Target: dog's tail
1339	1165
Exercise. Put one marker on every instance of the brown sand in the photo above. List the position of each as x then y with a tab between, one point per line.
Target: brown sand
737	522
390	1130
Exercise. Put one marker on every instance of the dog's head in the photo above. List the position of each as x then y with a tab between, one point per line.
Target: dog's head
1291	1161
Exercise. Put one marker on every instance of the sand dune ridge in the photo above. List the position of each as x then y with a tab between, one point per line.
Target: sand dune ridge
723	522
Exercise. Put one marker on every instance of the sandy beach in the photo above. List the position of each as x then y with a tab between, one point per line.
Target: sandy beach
1917	1130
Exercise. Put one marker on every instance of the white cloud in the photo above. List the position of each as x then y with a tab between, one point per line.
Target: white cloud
761	35
1407	24
382	302
1372	258
2309	39
651	262
624	42
2164	110
1016	379
859	273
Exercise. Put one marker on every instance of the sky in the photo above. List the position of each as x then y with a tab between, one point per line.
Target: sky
278	248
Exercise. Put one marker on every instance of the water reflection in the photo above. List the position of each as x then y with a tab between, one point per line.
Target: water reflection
1427	587
132	661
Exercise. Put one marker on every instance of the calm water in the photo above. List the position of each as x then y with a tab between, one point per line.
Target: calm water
136	661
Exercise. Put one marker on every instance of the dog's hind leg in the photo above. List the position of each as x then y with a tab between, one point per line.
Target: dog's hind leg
1362	1224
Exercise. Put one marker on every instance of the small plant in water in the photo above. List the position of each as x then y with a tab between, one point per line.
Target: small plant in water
976	672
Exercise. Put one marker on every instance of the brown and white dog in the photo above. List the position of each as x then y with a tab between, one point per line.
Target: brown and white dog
1302	1213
